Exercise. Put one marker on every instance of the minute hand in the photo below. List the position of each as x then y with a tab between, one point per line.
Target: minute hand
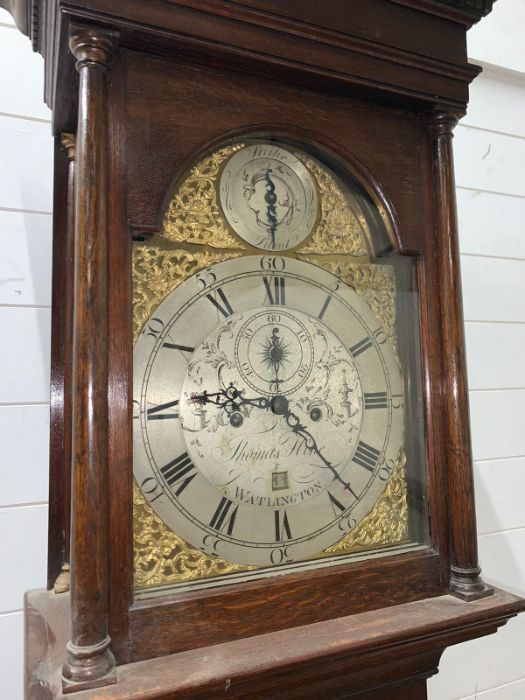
231	399
293	421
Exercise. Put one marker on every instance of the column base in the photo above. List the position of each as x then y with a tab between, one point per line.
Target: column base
468	585
88	667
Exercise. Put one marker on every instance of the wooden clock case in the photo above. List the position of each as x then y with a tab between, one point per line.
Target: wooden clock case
143	86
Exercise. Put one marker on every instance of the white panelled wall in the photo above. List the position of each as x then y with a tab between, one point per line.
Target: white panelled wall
490	167
490	177
26	150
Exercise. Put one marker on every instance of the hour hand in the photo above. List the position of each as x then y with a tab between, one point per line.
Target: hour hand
231	399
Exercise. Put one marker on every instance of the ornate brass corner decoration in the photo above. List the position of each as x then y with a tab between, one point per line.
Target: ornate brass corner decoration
340	244
387	522
194	214
340	230
157	271
162	557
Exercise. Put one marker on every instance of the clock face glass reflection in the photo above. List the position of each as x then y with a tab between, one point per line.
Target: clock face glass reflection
273	389
271	426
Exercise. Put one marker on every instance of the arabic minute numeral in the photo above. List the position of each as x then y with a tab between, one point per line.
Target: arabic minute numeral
346	524
380	335
206	278
386	469
154	328
275	263
246	368
281	555
151	488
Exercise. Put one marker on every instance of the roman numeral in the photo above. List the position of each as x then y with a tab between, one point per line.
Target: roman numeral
282	526
176	346
336	505
180	469
223	518
325	306
361	346
154	412
278	295
376	400
225	309
366	456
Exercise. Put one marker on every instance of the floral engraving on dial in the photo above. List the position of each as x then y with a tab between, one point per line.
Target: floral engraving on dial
240	415
161	555
268	197
251	448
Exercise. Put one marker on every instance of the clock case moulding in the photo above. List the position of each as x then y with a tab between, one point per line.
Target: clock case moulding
381	85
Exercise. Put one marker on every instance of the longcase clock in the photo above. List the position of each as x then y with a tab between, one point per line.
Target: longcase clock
261	481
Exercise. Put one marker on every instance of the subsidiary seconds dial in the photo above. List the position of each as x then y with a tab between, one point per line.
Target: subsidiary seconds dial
268	410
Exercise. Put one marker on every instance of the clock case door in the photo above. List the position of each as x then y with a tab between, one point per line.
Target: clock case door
162	111
390	142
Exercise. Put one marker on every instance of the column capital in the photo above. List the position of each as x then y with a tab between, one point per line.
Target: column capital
69	143
443	121
92	45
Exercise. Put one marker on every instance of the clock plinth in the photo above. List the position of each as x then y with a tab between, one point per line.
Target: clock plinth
260	411
379	654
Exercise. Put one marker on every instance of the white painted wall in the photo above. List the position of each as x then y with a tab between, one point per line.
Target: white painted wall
490	167
25	299
490	177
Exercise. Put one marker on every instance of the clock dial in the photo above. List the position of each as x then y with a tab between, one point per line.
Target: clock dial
268	197
268	410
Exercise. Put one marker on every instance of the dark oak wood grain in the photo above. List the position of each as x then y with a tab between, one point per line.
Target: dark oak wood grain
393	49
384	654
231	104
88	655
465	579
120	368
61	358
157	156
374	87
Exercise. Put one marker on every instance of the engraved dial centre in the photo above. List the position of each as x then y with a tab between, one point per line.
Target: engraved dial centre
274	415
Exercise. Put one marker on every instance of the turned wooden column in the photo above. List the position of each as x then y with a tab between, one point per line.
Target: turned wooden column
68	141
89	659
465	581
61	365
